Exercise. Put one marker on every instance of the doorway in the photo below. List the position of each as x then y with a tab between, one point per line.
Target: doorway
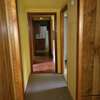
64	22
43	43
42	36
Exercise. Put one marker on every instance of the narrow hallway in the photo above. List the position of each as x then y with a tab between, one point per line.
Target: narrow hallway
47	87
43	65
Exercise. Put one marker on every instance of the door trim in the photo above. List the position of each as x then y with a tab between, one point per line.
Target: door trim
48	14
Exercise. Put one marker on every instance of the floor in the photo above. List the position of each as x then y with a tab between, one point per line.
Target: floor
43	64
47	87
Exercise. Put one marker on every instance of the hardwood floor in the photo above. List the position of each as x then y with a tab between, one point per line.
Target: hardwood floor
43	64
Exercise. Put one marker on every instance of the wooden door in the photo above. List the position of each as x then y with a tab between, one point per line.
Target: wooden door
89	50
6	85
11	87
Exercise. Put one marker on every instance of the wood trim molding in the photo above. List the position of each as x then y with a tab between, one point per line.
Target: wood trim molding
30	15
62	43
6	79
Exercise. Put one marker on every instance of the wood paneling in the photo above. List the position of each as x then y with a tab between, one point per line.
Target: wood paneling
62	41
62	37
89	50
91	98
11	87
14	44
6	87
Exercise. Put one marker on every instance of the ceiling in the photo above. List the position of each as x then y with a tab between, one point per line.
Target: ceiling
44	4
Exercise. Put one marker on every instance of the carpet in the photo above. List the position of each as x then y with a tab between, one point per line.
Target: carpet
47	87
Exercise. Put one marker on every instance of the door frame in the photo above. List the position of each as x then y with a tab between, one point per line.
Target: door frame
30	16
62	37
79	44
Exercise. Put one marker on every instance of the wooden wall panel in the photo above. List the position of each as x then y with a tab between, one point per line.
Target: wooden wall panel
91	98
89	27
14	45
11	87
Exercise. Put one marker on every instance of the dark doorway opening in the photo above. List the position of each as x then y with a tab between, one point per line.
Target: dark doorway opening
43	45
42	35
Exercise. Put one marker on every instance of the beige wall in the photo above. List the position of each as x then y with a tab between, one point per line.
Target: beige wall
72	47
24	43
24	36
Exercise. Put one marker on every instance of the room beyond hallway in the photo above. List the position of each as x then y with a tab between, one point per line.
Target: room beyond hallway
43	65
47	87
42	42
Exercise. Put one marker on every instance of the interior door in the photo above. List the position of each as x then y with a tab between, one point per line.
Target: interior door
89	51
6	92
10	62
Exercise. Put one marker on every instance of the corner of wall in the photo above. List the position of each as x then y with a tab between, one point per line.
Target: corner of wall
72	47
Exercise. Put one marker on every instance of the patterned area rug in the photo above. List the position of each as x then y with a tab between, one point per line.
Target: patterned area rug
43	65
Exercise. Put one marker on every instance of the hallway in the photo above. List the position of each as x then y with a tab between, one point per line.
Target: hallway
47	87
43	65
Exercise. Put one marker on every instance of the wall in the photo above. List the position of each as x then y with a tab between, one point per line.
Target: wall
44	4
72	46
24	36
58	30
